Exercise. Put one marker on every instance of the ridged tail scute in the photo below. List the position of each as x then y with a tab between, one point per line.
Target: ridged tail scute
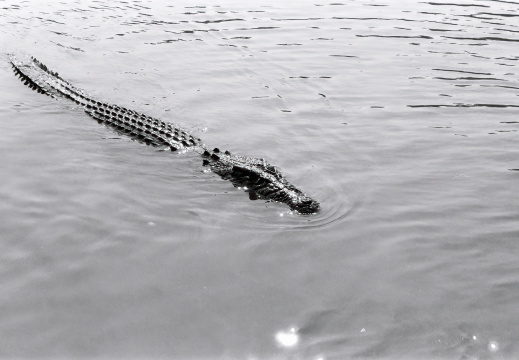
260	179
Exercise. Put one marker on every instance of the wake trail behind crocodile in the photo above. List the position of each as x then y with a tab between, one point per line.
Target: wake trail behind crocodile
256	176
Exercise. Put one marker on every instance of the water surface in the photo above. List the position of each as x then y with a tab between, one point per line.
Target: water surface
399	117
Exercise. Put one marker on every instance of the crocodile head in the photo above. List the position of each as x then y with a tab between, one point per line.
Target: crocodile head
305	205
261	179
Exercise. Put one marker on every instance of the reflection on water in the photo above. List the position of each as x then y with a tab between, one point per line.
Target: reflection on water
399	117
287	338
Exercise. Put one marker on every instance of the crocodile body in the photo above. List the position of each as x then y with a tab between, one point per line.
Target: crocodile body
260	179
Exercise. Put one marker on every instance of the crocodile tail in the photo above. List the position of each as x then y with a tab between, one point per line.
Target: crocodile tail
24	74
138	126
40	78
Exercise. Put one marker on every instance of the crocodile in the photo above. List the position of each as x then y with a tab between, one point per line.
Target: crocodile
257	177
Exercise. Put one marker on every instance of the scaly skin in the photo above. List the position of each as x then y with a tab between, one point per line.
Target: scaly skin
256	176
261	180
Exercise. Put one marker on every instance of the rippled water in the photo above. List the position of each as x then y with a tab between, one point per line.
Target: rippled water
400	117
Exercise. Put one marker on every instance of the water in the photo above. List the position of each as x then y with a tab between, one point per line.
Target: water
399	117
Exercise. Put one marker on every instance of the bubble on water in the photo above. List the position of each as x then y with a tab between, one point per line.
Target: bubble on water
287	338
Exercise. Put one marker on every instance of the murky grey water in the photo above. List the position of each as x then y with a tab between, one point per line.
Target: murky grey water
399	117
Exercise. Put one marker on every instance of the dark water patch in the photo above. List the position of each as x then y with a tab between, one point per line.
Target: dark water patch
455	4
499	14
344	56
191	31
446	30
508	58
501	86
217	21
475	55
168	41
397	36
471	78
309	77
49	20
136	7
486	38
460	105
395	20
13	7
444	52
59	33
139	6
68	47
478	16
473	44
150	22
98	7
297	19
260	28
463	71
507	30
506	2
